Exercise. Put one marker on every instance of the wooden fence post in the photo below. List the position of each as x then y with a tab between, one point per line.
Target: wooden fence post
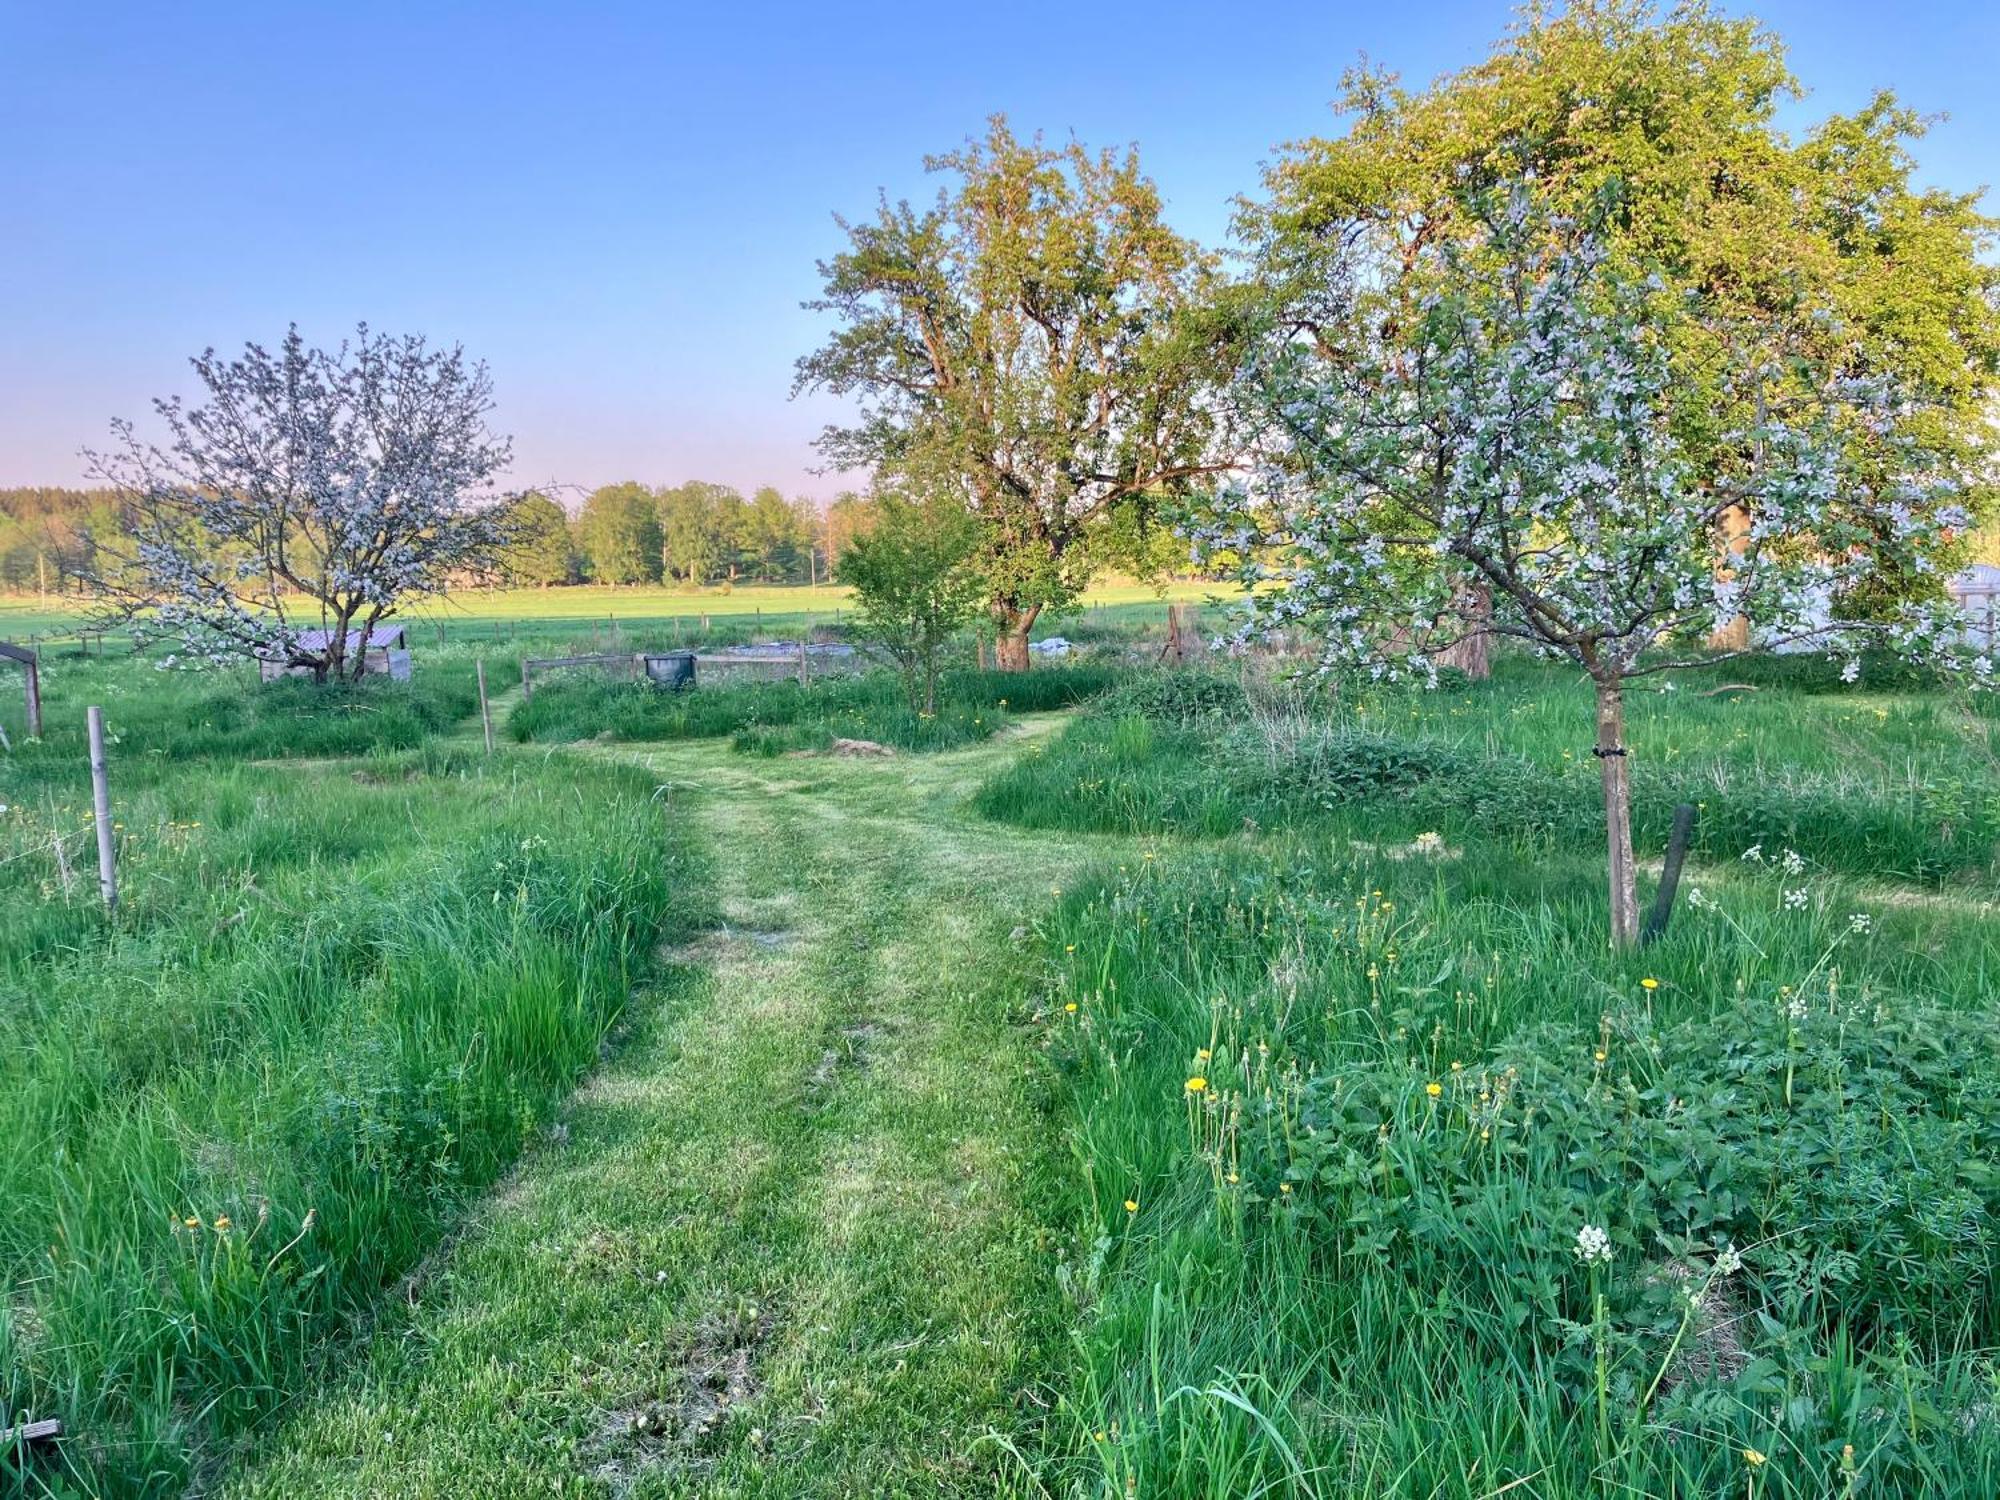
30	664
805	672
527	681
485	708
100	791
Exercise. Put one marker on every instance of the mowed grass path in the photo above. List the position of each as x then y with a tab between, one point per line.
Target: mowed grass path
795	1237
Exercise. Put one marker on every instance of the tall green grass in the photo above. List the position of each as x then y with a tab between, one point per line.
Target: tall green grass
335	1001
1348	1083
157	720
1893	786
1342	1117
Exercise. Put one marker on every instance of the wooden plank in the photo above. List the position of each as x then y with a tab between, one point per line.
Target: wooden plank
17	653
31	1432
601	659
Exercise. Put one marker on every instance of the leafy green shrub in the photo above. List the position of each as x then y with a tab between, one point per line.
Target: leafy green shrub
1342	765
1179	698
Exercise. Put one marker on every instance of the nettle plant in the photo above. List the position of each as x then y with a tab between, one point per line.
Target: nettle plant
311	495
1484	435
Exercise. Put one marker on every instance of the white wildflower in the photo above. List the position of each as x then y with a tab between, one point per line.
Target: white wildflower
1754	854
1593	1245
1794	863
1795	900
1730	1261
1796	1008
1857	921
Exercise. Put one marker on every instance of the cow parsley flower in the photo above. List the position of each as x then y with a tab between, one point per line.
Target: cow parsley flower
1593	1245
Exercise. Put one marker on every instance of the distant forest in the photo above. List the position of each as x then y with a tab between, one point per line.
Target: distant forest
692	534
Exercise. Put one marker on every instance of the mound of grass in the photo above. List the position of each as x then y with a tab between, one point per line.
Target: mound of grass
1345	1120
773	717
154	720
1907	790
336	1000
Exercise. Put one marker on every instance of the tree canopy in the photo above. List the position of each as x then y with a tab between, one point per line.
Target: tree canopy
619	534
1509	426
1661	126
1037	340
538	550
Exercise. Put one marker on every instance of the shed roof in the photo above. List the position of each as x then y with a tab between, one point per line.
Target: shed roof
383	637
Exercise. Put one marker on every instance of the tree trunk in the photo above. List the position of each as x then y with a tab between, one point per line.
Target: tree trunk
1010	640
1472	653
1734	535
1614	760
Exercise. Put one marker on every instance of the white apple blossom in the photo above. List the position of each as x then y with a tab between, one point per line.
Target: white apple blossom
309	491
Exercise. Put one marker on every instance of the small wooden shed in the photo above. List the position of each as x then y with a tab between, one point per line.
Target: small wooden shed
384	649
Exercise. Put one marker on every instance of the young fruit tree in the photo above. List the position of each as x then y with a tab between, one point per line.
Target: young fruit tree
309	496
917	583
1510	428
1043	336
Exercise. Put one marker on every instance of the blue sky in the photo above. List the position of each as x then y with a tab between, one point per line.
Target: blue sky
619	205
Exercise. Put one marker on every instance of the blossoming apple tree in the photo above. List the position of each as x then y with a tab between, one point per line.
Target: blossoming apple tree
311	495
1496	418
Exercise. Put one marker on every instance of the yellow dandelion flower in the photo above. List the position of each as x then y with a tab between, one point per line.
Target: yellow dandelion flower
191	1222
1599	1054
1434	1089
221	1223
1071	1007
1753	1458
1131	1205
1196	1084
1649	983
1202	1054
1284	1187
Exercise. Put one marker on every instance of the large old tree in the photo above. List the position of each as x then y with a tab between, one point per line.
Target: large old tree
311	495
1031	340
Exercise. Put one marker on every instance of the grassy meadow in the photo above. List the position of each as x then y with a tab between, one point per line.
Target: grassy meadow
338	998
1141	1083
649	617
